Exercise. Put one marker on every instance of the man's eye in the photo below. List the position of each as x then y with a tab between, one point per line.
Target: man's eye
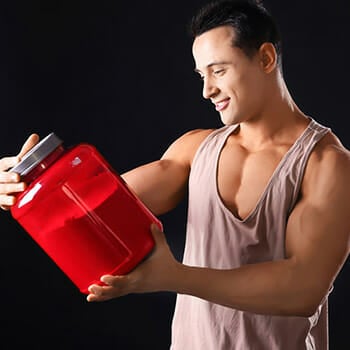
219	71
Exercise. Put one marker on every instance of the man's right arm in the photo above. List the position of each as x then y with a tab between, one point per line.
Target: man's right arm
160	184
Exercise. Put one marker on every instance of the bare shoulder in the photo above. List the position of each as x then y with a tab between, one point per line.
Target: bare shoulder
194	137
328	168
331	154
185	147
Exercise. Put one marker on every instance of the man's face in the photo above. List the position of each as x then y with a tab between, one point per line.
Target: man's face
233	81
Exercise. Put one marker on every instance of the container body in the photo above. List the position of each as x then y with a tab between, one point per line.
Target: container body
84	216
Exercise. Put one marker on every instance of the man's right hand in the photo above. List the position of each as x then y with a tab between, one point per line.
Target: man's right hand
10	182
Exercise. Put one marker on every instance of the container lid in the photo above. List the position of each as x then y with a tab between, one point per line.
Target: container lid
36	155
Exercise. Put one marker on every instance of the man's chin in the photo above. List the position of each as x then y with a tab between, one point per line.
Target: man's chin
228	120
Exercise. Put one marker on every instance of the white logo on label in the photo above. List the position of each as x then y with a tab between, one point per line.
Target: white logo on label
76	161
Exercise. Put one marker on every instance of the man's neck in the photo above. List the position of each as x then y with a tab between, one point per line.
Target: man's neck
281	121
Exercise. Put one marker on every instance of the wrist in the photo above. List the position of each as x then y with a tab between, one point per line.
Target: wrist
173	278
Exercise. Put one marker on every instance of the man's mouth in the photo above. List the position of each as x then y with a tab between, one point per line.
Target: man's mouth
221	105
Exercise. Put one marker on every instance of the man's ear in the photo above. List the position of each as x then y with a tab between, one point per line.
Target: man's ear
268	57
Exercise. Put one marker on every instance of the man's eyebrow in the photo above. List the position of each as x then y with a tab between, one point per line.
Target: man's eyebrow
212	64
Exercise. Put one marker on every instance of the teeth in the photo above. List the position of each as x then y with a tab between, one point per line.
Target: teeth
221	104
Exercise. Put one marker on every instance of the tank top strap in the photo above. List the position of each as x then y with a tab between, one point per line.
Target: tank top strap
215	140
209	150
298	156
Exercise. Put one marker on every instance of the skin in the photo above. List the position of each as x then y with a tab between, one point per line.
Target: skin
10	183
254	95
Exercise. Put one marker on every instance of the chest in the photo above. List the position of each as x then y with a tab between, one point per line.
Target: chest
243	176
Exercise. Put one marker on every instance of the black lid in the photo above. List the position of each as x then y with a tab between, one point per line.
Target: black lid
39	152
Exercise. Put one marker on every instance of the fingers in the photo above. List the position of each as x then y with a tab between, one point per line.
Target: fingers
10	183
7	202
8	177
8	193
115	286
6	189
31	141
98	293
112	280
8	162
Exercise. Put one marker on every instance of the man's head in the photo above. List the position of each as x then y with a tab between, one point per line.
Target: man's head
236	50
250	21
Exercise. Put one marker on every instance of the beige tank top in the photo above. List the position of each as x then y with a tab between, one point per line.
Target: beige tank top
217	239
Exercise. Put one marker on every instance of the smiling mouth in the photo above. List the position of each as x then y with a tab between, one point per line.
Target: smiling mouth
219	106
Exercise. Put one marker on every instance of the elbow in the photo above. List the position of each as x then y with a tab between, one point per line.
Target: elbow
307	292
307	310
308	304
299	309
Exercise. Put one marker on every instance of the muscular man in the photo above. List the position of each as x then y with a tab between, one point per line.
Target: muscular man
268	227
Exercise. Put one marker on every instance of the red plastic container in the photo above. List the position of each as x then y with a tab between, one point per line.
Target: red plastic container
81	212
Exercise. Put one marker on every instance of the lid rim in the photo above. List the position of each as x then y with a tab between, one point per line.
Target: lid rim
37	154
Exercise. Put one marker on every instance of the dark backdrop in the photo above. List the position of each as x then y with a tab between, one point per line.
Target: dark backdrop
119	74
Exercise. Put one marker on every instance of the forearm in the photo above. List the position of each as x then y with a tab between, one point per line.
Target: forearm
266	288
288	287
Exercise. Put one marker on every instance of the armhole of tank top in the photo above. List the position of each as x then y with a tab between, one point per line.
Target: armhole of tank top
204	142
321	132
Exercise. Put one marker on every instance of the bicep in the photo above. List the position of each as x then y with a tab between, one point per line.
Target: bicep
160	185
318	230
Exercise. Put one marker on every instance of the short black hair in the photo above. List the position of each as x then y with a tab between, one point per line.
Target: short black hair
250	20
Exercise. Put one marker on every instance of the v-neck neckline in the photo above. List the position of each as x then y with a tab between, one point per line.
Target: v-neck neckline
272	177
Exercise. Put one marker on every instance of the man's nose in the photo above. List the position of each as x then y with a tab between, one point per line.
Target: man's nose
209	89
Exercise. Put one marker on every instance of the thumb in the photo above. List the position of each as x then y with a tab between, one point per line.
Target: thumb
157	234
28	144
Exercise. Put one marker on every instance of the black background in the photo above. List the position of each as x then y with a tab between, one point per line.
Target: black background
119	75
